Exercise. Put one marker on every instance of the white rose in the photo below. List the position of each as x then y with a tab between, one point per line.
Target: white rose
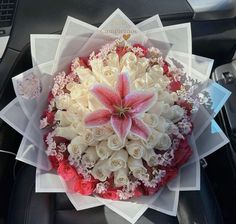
131	136
88	137
118	160
137	168
83	73
66	132
159	90
152	139
131	69
169	114
115	143
156	70
121	177
166	97
164	142
71	85
90	157
171	128
63	102
128	59
93	103
77	146
77	90
97	67
102	133
144	82
139	84
174	97
164	81
162	124
151	119
135	149
80	95
159	108
177	113
113	60
151	157
78	110
142	65
79	127
88	82
71	117
110	75
103	151
100	171
62	118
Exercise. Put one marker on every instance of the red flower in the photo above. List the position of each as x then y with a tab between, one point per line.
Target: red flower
110	194
54	162
175	85
165	68
66	171
50	116
85	187
138	192
143	49
83	61
186	105
50	96
170	174
59	140
182	154
121	51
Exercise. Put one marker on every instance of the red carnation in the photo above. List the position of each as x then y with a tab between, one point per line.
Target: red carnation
143	49
54	162
66	171
50	116
175	85
121	51
182	154
110	194
85	187
138	192
50	96
83	61
186	105
170	174
165	68
59	140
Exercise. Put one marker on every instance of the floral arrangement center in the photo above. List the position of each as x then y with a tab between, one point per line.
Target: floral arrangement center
122	108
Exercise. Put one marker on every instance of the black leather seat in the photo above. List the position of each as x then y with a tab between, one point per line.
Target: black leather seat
29	207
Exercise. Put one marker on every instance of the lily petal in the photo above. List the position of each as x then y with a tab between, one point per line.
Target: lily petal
123	85
121	125
106	96
139	128
140	102
97	118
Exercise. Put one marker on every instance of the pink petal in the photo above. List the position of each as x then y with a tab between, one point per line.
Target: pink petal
121	125
97	118
123	86
140	102
139	128
106	96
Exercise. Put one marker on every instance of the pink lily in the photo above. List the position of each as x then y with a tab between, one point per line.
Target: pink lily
122	108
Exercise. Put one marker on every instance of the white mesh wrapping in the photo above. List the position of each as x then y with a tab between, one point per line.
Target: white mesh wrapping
53	53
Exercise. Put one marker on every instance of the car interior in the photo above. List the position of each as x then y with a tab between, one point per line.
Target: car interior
213	26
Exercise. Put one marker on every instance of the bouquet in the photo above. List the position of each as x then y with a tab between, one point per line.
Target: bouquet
119	112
